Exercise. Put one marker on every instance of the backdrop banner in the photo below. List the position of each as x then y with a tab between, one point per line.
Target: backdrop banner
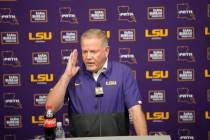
166	43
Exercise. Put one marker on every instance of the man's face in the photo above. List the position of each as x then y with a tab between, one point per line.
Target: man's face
94	54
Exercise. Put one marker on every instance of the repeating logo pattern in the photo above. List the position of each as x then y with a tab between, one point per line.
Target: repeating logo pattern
13	121
185	12
69	36
208	53
97	14
11	101
10	80
184	75
126	35
40	99
9	38
185	33
7	16
38	16
155	55
126	56
156	34
156	96
185	54
66	15
125	14
186	116
40	37
156	13
40	58
185	134
9	59
184	96
157	116
166	46
157	75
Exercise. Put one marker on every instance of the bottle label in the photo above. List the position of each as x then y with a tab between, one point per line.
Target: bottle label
49	113
49	123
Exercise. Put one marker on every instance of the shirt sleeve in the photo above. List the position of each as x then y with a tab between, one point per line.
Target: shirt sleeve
66	98
131	90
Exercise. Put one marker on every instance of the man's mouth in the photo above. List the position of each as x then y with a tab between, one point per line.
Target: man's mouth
90	63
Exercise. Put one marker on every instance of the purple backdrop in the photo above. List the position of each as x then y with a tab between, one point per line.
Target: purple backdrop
166	43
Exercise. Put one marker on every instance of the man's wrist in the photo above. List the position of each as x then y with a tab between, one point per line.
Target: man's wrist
67	76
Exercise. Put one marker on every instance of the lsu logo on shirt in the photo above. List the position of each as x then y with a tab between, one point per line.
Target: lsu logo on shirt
157	116
111	83
40	36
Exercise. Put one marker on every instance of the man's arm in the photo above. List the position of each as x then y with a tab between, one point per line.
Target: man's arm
139	120
57	94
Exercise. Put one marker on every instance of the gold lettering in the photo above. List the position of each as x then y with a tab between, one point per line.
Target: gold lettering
157	74
207	31
157	116
42	78
40	36
39	120
156	33
207	75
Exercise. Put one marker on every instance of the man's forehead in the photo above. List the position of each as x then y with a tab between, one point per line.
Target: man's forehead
90	39
91	43
91	47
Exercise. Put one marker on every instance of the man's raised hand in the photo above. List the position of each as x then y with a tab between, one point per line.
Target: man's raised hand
72	68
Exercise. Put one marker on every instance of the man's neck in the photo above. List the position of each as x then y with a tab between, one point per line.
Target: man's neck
102	69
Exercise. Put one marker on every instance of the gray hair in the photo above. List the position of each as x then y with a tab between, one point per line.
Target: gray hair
96	33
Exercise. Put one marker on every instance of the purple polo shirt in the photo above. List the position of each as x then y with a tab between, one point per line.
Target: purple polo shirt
119	87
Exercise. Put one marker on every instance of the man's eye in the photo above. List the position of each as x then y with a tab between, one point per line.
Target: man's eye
94	52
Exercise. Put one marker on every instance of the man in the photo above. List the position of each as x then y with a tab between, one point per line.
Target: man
100	91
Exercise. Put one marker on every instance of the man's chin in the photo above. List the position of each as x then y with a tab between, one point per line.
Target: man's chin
90	69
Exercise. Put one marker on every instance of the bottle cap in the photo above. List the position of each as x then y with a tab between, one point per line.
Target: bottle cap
49	106
59	124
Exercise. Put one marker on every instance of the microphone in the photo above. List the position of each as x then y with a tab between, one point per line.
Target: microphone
99	90
98	84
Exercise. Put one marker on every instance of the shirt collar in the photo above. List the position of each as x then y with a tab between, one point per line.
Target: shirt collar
107	71
104	68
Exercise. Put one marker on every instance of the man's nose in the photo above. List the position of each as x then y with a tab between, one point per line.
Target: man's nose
89	55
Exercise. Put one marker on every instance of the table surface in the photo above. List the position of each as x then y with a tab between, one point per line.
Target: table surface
165	137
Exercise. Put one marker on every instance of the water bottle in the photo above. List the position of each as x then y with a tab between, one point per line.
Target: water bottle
60	133
49	124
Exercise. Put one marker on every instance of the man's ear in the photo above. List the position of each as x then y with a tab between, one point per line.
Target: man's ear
107	51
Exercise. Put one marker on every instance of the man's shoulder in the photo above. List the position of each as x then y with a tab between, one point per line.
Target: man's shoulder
120	66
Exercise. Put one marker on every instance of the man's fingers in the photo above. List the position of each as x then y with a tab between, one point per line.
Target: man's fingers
74	57
77	69
70	57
